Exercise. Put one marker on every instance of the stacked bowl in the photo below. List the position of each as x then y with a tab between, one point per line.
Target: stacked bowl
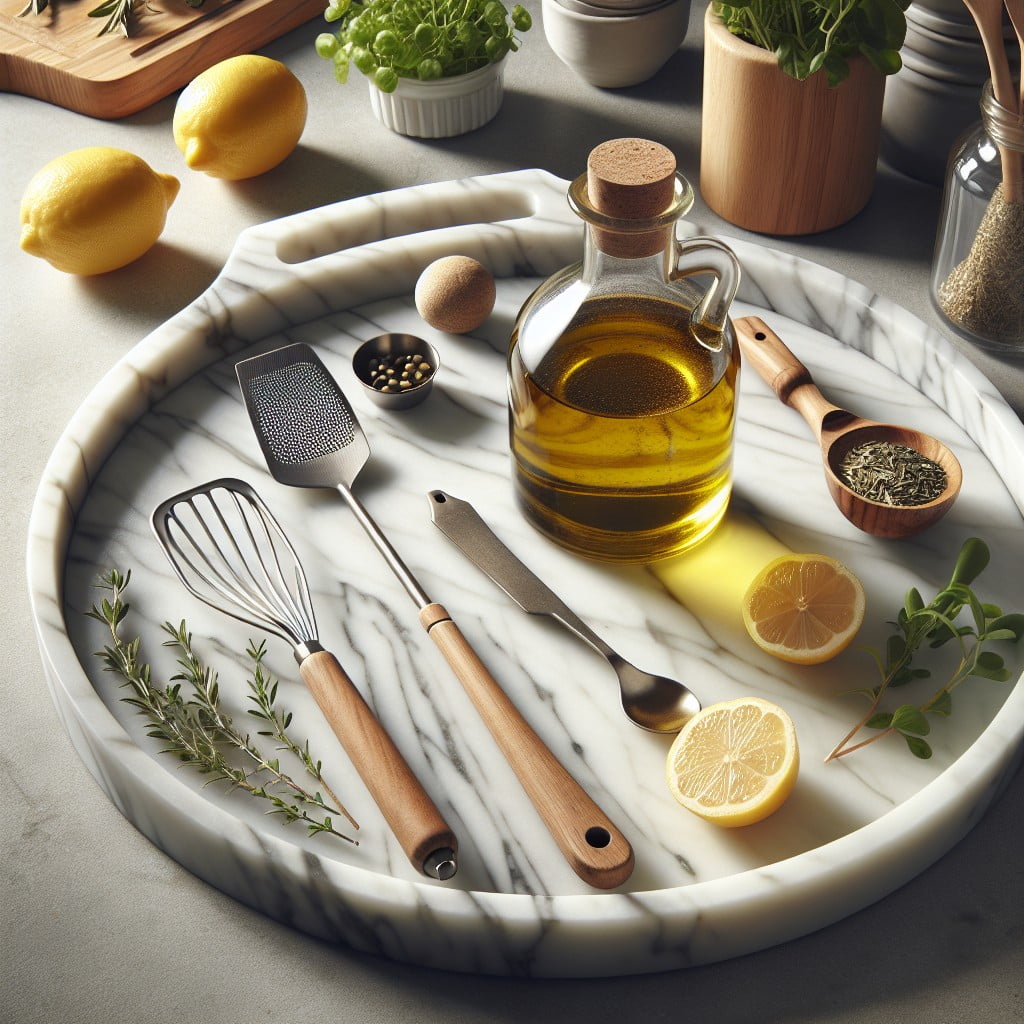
615	43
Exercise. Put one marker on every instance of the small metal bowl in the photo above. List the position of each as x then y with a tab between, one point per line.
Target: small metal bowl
389	347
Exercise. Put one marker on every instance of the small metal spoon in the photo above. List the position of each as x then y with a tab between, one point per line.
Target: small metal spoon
655	703
838	431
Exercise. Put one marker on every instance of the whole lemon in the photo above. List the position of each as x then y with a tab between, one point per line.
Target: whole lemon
95	209
240	117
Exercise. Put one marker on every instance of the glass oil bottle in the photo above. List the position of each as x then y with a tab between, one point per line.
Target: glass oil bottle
623	371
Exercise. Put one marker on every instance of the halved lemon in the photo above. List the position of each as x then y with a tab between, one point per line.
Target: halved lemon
735	762
804	608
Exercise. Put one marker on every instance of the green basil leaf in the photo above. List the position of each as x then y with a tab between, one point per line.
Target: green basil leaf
971	562
887	61
913	602
908	719
1014	622
918	747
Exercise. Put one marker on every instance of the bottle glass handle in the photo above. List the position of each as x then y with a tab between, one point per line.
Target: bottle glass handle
702	255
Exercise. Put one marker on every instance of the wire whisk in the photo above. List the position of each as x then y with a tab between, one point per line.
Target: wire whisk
229	551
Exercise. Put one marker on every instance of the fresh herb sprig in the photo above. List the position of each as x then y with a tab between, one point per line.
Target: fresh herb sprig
423	39
935	623
814	35
198	731
117	12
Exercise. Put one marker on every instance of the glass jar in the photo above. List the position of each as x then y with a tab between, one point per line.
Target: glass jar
622	377
977	280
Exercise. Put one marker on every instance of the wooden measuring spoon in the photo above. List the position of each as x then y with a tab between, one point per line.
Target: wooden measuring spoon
988	16
1015	9
838	431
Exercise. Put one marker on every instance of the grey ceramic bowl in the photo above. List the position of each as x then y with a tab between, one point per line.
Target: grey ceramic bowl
394	352
618	50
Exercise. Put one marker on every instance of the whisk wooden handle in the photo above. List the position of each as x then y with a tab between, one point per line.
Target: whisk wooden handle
593	846
405	804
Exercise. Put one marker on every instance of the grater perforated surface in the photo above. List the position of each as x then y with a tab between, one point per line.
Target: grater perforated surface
300	414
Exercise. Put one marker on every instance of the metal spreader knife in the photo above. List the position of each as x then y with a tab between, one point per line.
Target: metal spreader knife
656	703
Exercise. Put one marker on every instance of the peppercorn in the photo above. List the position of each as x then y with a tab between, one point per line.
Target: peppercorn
394	373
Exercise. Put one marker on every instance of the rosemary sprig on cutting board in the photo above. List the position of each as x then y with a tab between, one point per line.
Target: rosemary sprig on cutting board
117	12
198	732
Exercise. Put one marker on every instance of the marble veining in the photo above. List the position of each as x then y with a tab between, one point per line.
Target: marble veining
169	416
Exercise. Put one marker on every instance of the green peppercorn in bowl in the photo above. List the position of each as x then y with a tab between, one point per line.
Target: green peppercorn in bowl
396	370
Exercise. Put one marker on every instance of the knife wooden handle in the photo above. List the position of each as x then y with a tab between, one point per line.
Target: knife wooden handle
405	804
593	846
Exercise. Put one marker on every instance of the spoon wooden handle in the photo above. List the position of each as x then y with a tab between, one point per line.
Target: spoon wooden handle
592	845
988	17
1015	9
780	369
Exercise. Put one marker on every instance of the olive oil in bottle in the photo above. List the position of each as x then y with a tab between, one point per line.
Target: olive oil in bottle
623	373
622	435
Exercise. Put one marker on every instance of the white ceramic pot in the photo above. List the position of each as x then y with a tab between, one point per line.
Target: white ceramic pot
616	51
441	107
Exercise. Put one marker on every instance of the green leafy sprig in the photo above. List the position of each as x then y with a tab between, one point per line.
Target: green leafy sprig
423	39
117	12
198	732
935	624
813	35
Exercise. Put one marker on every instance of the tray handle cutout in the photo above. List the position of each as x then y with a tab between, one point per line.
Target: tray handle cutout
403	212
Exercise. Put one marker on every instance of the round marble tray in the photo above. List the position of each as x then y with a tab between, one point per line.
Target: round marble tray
169	416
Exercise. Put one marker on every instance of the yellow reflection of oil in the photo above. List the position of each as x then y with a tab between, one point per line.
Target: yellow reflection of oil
711	579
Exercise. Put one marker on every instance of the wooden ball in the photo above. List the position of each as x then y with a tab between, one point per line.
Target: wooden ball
455	294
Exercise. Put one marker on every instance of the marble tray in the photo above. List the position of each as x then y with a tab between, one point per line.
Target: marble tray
169	416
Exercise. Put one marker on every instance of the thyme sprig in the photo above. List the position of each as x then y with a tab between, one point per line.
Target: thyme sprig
198	731
263	694
935	623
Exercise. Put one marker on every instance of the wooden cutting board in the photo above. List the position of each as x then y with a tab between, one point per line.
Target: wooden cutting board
57	55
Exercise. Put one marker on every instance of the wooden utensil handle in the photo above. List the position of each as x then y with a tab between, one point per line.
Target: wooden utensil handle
593	846
412	815
780	369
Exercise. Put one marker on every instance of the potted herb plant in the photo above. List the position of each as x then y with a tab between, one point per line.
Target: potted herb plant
792	108
435	67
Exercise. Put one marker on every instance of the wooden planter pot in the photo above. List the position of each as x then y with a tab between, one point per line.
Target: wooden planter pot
779	156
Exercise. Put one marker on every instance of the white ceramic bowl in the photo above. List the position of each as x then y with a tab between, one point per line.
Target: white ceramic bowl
613	8
441	107
613	52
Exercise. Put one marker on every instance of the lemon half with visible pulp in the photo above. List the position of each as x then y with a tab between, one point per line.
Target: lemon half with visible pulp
734	762
240	117
95	209
804	608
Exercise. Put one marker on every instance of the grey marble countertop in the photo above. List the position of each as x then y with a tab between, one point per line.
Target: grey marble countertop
99	925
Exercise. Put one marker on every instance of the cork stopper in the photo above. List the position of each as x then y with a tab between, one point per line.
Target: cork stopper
631	179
